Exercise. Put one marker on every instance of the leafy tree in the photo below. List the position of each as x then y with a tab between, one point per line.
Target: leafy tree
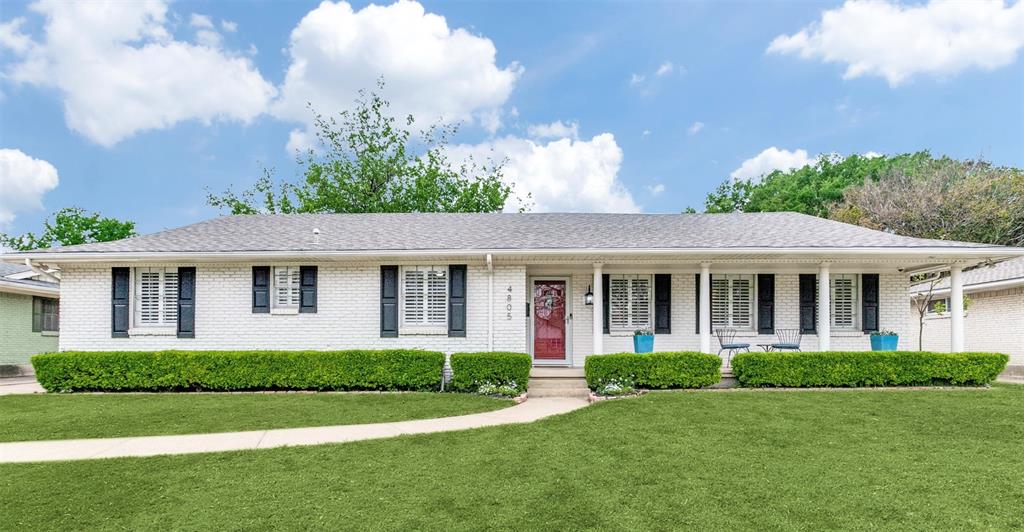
70	226
811	189
944	199
369	162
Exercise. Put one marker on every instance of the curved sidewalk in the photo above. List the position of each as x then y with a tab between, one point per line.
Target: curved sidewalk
52	450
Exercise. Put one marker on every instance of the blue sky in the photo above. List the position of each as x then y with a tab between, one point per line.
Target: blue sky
134	109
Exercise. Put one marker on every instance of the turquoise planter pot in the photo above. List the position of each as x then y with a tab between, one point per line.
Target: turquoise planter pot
643	344
884	343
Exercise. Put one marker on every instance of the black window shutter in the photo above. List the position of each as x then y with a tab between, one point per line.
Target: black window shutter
389	301
696	280
187	302
307	289
37	314
119	302
606	284
663	303
808	295
457	301
261	289
765	303
869	301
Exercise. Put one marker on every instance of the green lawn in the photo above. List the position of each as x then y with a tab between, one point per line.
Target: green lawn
932	459
48	417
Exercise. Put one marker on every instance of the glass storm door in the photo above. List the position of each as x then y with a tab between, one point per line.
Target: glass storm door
549	320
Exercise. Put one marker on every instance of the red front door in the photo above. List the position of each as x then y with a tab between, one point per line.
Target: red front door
549	320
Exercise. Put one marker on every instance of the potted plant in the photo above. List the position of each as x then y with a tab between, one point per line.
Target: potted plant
643	340
884	340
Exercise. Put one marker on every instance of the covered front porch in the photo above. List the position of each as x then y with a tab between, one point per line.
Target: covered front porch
577	309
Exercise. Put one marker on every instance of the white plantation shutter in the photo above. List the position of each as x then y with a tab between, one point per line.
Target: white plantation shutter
425	295
720	310
640	303
742	303
629	301
437	297
844	301
732	301
618	312
156	296
286	286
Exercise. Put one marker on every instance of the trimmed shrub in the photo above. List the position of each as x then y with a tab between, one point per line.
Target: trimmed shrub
681	369
866	368
470	370
394	369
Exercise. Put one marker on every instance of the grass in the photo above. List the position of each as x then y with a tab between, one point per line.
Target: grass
930	459
48	417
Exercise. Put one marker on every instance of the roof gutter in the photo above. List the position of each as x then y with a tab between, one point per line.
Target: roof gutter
14	287
978	287
935	253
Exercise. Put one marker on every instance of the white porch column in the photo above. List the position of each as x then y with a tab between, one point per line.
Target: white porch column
824	308
598	306
705	307
956	308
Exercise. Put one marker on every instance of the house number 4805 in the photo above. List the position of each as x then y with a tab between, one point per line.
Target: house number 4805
508	303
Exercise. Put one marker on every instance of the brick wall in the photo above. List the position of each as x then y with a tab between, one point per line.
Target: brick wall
994	322
17	341
892	288
348	313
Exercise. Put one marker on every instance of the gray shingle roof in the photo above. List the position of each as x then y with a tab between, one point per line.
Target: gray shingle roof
505	231
11	269
1001	271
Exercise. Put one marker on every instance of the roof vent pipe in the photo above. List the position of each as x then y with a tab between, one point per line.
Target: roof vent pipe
316	236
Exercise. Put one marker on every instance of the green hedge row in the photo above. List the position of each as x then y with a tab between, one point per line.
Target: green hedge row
470	370
866	368
395	369
682	369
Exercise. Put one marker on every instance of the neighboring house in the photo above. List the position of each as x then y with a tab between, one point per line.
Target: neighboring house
558	286
29	314
994	316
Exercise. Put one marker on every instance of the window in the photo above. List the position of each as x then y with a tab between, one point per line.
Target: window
938	305
425	296
45	314
156	297
732	301
629	302
844	301
286	287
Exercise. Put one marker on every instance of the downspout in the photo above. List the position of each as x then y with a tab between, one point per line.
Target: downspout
490	303
44	273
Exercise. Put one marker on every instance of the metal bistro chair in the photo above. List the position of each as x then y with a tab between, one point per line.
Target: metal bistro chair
727	339
789	339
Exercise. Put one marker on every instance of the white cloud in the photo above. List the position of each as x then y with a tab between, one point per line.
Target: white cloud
562	175
646	133
636	79
299	141
12	38
876	37
431	71
695	128
119	71
24	180
201	21
769	160
555	130
665	69
229	26
872	154
656	189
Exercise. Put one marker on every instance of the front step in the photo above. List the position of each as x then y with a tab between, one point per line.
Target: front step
557	382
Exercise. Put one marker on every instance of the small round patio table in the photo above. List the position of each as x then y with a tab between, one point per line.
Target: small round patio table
766	347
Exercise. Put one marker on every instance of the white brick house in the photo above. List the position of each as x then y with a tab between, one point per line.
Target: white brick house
994	319
476	282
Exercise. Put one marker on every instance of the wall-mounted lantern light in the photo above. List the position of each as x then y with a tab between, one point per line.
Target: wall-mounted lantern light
588	298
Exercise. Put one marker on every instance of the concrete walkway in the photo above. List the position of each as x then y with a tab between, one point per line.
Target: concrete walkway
20	385
46	451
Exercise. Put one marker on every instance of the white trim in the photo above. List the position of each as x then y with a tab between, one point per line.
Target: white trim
933	252
568	319
28	290
153	331
977	287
